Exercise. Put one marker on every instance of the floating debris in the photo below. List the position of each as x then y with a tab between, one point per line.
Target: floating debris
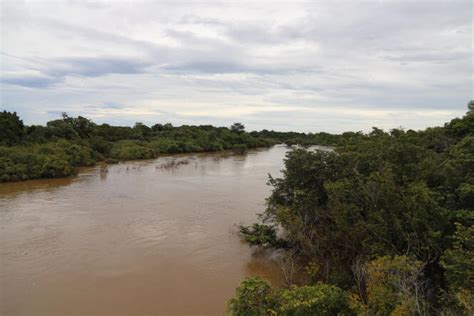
104	169
172	164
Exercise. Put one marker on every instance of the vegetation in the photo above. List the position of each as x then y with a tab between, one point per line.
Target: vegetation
387	218
256	297
57	149
382	225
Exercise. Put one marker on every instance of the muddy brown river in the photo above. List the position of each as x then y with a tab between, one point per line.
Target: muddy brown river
152	237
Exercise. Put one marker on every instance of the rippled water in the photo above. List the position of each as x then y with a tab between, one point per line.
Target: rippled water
142	239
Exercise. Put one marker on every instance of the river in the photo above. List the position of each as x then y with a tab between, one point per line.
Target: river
152	237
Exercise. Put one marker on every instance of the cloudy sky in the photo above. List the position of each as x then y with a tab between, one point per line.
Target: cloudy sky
306	66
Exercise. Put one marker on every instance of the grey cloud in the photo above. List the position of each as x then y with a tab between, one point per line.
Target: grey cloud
112	105
195	19
206	67
370	54
223	67
54	71
93	67
30	81
105	105
54	113
432	56
89	33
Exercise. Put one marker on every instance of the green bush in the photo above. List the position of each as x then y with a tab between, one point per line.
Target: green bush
240	148
254	297
319	299
40	161
129	149
261	235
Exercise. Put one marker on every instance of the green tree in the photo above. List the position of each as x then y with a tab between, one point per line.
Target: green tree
254	297
394	286
458	262
237	128
319	299
11	128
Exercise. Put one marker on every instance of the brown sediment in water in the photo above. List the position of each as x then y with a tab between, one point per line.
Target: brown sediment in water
136	240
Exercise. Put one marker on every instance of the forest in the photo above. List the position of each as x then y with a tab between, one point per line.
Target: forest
383	225
57	149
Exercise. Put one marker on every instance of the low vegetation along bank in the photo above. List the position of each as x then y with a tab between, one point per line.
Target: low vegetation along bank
57	149
381	226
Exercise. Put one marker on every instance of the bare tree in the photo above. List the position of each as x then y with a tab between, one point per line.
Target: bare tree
288	266
359	270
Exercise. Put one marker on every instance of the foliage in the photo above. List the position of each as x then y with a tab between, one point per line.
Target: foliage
239	148
41	161
130	149
237	128
11	129
377	216
77	141
394	286
458	261
318	299
260	235
255	296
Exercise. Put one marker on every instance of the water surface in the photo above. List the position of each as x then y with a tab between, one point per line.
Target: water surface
142	239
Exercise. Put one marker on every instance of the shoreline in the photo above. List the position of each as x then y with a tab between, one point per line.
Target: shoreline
100	163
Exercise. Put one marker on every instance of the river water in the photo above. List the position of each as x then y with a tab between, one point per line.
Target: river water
152	237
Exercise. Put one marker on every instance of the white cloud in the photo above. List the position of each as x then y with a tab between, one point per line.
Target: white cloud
306	66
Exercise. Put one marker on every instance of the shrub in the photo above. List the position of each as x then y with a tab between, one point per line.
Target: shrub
254	297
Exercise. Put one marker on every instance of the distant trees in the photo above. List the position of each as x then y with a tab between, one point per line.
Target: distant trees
54	150
237	128
11	129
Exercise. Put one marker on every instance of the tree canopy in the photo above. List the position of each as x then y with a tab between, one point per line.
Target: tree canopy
387	217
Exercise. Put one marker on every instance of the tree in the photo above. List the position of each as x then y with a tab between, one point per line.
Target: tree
254	297
390	197
260	235
141	130
83	126
318	299
237	128
11	128
458	261
470	106
394	286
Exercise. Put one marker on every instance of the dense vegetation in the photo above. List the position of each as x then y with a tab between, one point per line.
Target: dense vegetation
381	226
55	150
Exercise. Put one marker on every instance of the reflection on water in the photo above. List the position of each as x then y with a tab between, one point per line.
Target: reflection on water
144	238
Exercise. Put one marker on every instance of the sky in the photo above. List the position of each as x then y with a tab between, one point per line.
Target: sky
312	66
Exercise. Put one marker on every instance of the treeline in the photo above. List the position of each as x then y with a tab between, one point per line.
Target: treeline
381	226
55	150
309	139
